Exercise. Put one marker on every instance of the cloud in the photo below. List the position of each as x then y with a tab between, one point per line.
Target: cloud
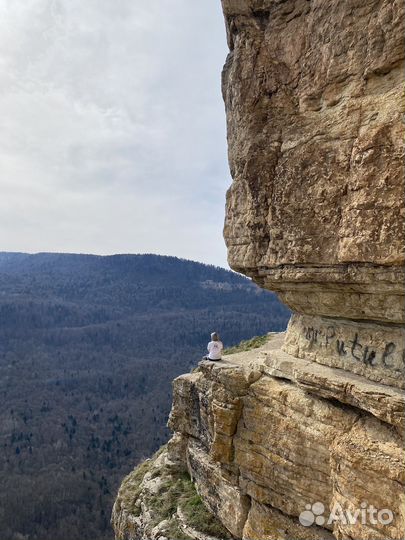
113	134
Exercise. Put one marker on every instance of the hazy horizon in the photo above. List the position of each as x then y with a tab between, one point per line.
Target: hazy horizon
113	135
122	254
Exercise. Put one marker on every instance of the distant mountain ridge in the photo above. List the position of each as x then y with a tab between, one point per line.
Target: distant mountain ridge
89	346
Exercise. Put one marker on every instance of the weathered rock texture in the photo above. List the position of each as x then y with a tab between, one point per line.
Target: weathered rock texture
372	350
314	99
263	435
158	501
312	90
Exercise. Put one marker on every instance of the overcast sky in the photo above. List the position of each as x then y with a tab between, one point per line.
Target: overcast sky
112	127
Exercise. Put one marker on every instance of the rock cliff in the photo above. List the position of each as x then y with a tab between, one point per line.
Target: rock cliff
263	435
303	437
313	93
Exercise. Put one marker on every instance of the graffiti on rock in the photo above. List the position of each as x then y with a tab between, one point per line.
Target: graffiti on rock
355	347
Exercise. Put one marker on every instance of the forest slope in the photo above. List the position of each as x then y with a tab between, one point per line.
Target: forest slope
88	349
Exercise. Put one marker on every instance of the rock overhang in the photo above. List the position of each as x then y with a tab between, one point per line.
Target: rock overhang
314	101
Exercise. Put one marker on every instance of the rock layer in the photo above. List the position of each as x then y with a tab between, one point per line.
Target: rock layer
302	439
372	350
263	437
313	94
314	99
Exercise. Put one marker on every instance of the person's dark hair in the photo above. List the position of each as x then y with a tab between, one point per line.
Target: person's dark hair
214	336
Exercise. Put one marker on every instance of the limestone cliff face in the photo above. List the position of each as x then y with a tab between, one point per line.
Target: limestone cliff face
264	435
313	93
275	439
314	99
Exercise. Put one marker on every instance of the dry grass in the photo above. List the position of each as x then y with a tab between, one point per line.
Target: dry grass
249	344
175	490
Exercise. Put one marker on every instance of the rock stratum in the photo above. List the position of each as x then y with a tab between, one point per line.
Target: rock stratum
314	99
262	435
303	437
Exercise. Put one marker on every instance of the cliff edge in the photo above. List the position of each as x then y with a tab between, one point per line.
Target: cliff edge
262	436
313	93
303	437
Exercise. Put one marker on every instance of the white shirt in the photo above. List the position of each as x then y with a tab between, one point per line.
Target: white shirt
215	350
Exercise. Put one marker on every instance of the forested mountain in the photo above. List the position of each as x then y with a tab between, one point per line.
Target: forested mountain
89	346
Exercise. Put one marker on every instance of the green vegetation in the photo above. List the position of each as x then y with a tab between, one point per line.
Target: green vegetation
131	485
176	490
174	532
172	490
199	518
89	347
249	344
180	492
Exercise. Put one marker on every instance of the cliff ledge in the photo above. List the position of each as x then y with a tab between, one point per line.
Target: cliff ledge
303	438
263	435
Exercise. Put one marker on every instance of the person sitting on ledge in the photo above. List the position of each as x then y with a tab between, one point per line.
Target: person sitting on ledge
215	348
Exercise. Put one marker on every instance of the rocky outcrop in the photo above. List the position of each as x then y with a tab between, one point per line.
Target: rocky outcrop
303	438
313	94
263	436
158	501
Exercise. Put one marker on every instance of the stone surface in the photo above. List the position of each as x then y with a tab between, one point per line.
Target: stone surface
219	490
313	94
361	458
295	433
382	401
264	434
310	425
282	447
372	350
266	523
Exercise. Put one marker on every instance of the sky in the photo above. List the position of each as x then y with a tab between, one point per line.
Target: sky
112	134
